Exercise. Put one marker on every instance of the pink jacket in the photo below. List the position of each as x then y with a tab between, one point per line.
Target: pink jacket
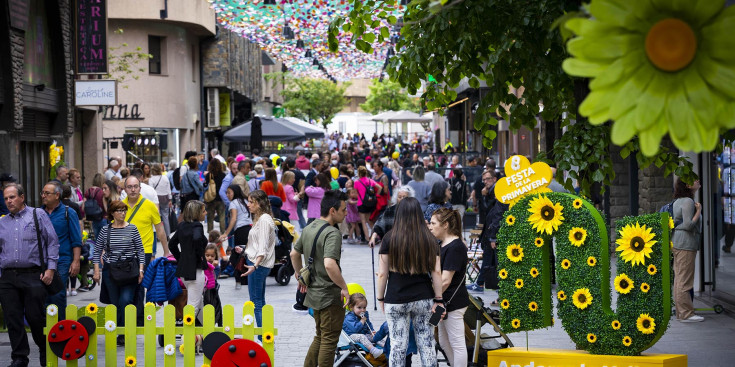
290	204
361	185
211	279
315	195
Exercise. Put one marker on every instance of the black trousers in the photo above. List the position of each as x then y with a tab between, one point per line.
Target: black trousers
241	239
23	294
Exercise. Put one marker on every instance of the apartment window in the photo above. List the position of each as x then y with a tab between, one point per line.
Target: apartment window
155	63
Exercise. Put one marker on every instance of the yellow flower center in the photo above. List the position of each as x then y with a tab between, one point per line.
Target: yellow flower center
671	44
637	244
547	213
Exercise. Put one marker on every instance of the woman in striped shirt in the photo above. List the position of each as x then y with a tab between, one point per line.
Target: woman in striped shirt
124	240
260	251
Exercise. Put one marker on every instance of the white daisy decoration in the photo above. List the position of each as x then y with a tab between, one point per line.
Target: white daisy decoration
52	310
227	329
169	349
247	320
149	317
110	326
91	357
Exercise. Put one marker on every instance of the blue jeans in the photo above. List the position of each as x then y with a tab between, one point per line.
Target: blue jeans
256	289
59	299
120	296
300	210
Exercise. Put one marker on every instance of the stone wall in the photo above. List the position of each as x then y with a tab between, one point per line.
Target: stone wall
232	62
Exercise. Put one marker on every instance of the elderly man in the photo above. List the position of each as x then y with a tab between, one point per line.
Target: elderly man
62	174
113	169
214	153
22	281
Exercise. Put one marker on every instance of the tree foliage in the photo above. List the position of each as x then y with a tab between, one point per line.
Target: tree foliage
314	99
388	96
508	44
124	64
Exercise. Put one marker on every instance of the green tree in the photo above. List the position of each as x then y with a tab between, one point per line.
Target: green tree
388	96
125	64
317	99
508	44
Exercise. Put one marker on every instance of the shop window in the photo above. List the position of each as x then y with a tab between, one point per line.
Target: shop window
157	49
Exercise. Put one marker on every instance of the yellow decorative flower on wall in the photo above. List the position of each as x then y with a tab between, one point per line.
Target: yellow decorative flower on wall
514	253
545	215
623	283
645	287
591	261
657	67
539	242
652	269
635	242
503	273
645	324
511	220
627	341
577	203
591	338
615	325
582	298
533	306
505	304
516	323
561	295
577	236
519	283
534	272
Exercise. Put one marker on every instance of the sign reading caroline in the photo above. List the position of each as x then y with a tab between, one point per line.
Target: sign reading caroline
583	295
91	36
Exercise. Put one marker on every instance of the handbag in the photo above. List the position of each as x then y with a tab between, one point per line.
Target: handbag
125	271
56	284
211	193
307	272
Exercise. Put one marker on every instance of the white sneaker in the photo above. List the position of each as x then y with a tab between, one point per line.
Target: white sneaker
74	292
68	293
693	318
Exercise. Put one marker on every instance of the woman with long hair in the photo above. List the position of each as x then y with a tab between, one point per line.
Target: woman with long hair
215	172
421	188
187	245
686	240
440	196
315	194
271	186
163	190
110	193
361	185
260	253
410	265
446	226
146	168
240	223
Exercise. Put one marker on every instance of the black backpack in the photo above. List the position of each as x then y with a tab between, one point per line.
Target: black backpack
92	209
370	200
669	208
177	178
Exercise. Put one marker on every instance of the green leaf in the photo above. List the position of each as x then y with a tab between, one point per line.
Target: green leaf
385	32
392	20
368	37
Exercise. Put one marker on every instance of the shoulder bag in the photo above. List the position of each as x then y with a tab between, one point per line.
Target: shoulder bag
211	192
307	272
123	271
56	284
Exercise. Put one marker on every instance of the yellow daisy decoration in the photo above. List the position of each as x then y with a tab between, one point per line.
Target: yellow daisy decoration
149	304
645	287
577	203
582	298
92	308
591	261
627	341
577	236
645	324
268	337
591	338
665	67
249	303
623	284
561	295
514	253
130	361
545	215
566	264
510	220
519	283
671	223
188	320
615	325
503	273
533	306
539	242
635	242
652	269
516	323
534	272
505	304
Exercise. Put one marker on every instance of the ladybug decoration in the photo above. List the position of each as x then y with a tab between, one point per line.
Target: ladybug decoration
69	339
224	352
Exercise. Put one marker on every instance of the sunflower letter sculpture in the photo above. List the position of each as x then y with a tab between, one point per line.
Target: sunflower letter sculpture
657	67
583	274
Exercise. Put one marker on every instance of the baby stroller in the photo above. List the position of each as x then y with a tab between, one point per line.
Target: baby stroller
285	236
349	353
475	317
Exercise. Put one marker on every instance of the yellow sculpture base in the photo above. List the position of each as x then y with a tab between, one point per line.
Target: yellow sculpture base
520	357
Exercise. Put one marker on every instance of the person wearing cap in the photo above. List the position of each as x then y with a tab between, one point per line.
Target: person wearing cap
5	179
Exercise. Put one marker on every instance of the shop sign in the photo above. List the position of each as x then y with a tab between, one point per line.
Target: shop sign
522	178
95	92
91	36
121	112
224	109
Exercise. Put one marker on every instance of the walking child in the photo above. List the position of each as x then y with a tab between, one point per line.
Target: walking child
353	217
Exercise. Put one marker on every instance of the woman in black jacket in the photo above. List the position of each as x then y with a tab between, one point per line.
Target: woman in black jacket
187	245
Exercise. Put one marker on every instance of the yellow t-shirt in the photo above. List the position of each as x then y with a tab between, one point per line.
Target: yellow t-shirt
145	218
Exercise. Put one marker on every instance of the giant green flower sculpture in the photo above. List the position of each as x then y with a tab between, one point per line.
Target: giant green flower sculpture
657	66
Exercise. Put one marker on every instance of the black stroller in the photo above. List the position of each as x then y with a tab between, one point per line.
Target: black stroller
285	235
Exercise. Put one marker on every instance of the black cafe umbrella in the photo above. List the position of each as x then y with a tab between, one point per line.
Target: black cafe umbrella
271	129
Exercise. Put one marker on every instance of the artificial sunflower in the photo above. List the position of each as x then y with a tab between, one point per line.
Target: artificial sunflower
561	295
582	298
577	203
503	273
130	361
519	283
635	242
533	306
657	67
516	323
566	264
645	287
533	272
545	215
591	261
623	284
615	325
652	269
510	220
188	320
671	223
645	324
539	242
591	338
92	308
627	341
505	304
514	253
268	337
577	236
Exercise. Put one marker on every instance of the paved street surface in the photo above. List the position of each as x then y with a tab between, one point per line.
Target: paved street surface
710	343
